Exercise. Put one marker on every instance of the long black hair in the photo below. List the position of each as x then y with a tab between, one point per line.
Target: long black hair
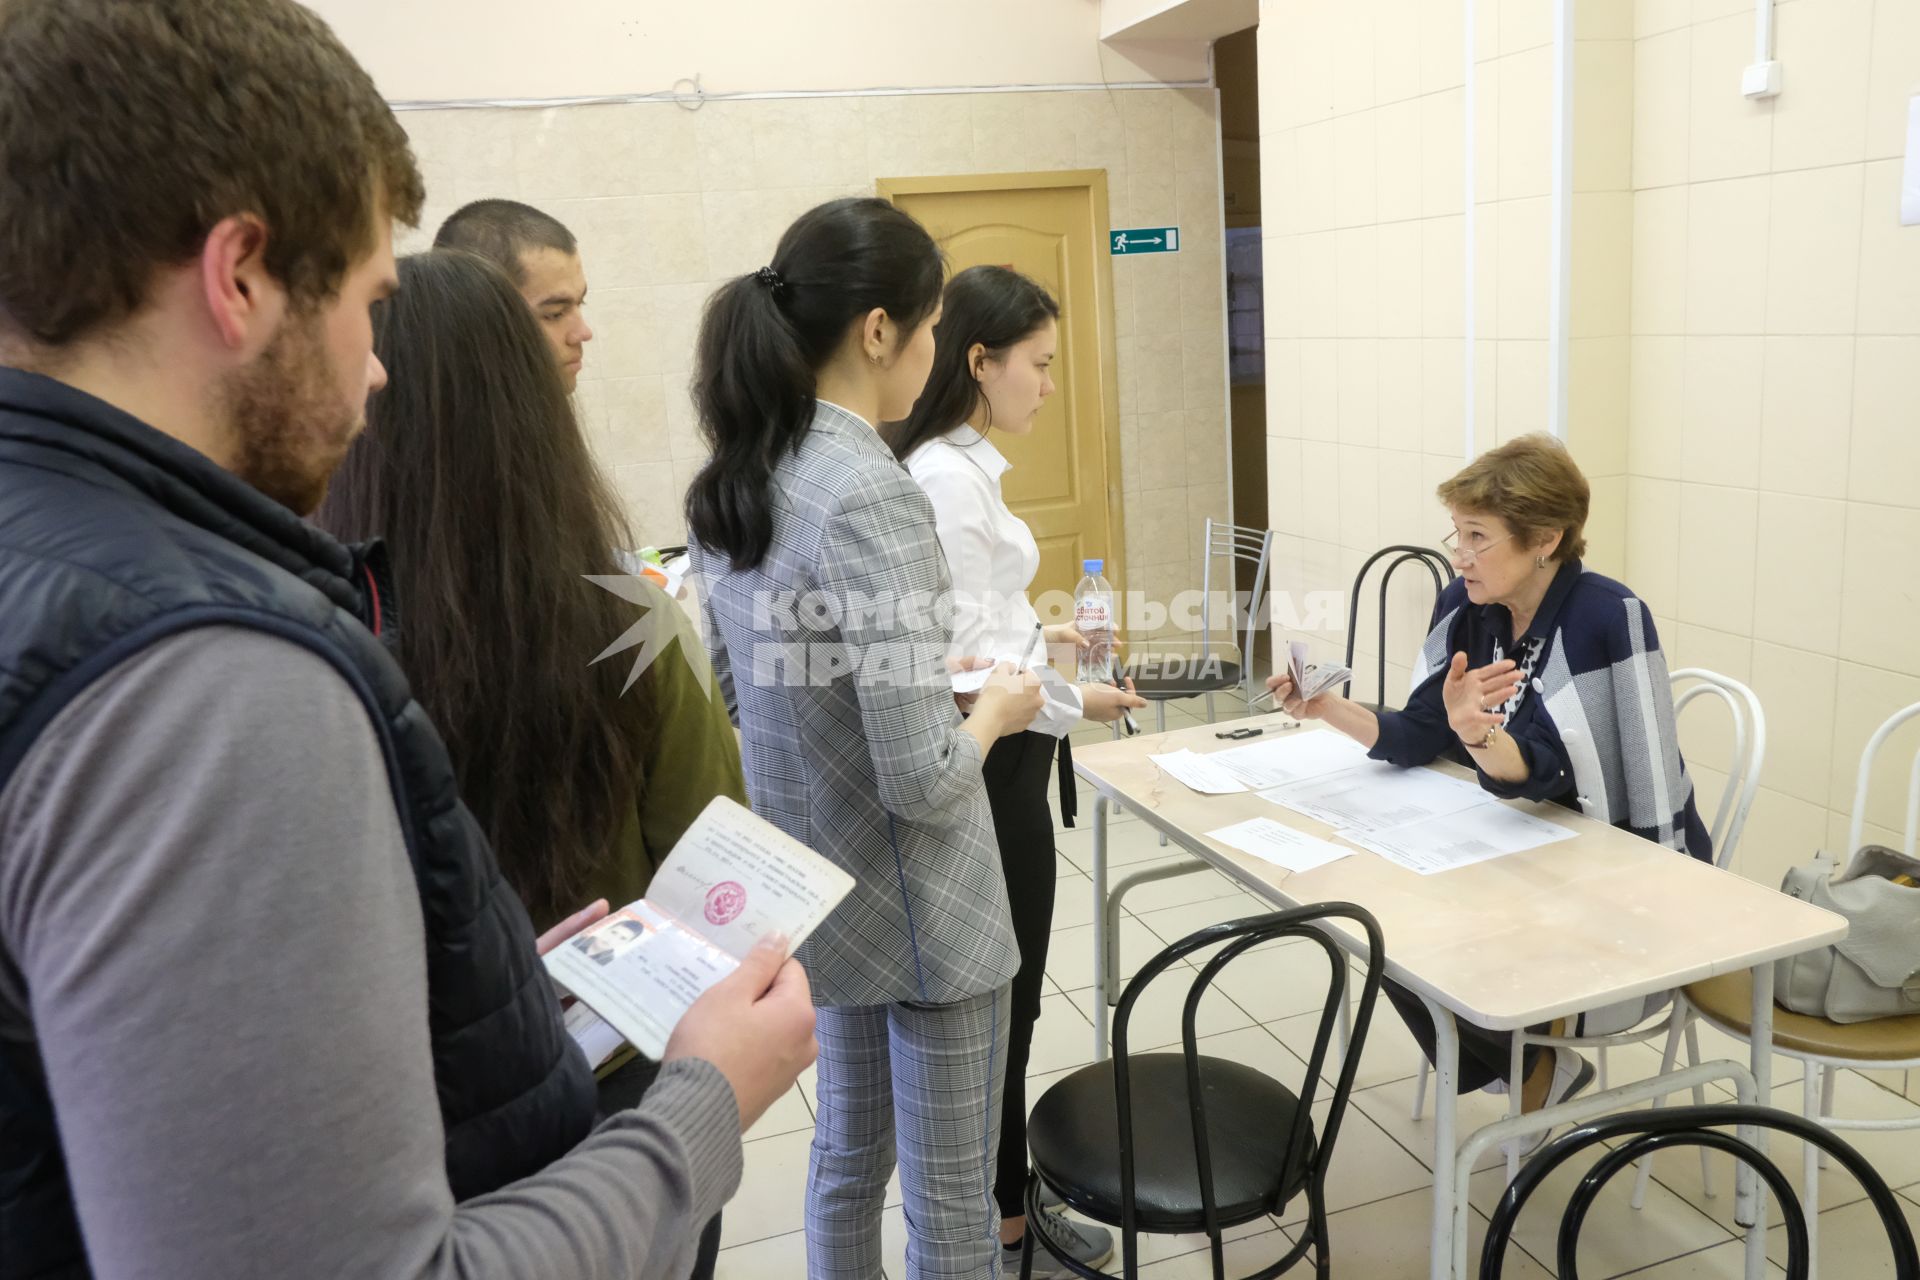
474	469
996	307
766	335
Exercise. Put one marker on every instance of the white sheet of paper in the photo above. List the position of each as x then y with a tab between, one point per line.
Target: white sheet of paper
596	1036
732	879
1294	757
1280	844
1461	839
1056	686
1373	796
1198	772
971	681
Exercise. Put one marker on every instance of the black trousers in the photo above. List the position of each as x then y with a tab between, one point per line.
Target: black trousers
1017	771
1485	1056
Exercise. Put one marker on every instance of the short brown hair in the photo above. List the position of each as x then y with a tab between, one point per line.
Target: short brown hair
1531	483
130	128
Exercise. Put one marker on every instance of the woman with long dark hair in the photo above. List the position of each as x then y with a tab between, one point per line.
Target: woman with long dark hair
474	470
994	350
828	603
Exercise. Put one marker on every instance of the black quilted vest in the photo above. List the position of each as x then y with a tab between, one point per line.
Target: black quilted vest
113	536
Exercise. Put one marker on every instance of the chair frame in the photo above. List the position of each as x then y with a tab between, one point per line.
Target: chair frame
1239	936
1695	1126
1428	558
1237	543
1817	1084
1729	822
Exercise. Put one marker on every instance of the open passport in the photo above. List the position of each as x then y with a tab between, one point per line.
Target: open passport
1312	681
732	879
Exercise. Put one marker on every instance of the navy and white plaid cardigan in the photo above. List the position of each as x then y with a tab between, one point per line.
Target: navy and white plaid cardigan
1596	727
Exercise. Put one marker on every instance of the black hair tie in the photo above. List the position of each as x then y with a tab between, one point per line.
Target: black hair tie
771	281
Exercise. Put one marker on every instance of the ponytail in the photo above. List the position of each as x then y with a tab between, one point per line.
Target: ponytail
766	335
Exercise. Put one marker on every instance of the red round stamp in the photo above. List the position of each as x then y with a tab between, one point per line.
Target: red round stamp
725	902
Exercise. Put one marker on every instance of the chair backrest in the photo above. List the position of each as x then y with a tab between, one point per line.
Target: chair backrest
1427	558
1692	1127
1856	831
1241	936
1749	750
1237	544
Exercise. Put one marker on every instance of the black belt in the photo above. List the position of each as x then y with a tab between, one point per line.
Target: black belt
1069	795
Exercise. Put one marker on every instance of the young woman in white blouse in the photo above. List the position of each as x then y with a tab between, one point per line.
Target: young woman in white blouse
994	345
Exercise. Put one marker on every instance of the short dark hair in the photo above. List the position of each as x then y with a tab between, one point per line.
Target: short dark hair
128	131
501	230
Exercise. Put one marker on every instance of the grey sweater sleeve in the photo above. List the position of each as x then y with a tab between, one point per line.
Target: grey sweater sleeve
212	935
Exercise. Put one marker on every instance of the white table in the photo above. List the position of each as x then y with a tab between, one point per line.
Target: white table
1523	939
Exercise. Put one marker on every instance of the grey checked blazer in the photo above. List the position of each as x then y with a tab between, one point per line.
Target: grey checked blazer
852	744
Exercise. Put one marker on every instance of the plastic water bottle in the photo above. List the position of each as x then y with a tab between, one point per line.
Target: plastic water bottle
1093	618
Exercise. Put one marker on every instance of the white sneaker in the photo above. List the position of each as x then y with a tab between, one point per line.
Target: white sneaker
1087	1245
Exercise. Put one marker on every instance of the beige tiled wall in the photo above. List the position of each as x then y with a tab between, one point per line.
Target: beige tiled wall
669	202
1366	136
1773	449
1744	354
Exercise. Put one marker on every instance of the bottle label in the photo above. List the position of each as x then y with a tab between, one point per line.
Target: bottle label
1093	619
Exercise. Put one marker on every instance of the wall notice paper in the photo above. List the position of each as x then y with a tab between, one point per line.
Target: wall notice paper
1373	796
732	879
1279	844
1460	839
1198	772
1274	762
1910	173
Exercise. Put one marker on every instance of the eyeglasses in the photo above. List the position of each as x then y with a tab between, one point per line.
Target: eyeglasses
1470	547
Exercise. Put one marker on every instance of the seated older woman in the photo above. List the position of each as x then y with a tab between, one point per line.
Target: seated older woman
1547	679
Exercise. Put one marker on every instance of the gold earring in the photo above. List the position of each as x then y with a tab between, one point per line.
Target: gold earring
1539	562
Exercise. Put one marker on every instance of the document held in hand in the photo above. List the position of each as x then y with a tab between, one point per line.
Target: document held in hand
1310	682
732	879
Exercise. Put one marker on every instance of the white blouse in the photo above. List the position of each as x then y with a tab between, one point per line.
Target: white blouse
991	558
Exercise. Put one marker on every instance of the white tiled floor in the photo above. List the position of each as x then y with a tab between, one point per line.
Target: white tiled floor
1263	1012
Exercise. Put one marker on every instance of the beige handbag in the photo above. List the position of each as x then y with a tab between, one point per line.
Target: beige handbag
1873	972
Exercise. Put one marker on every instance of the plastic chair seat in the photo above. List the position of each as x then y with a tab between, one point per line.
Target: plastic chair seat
1728	1000
1074	1138
1164	688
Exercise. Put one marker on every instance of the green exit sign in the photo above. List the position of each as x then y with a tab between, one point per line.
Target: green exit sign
1125	244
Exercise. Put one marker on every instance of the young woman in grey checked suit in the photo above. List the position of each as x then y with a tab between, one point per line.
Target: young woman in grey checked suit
828	606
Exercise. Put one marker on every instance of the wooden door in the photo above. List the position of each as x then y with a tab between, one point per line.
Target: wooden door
1065	476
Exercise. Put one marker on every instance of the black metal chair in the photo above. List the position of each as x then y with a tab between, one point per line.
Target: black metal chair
1429	559
1161	677
1693	1127
1169	1143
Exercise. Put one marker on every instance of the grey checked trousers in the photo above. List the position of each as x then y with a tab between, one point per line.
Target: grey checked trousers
925	1081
